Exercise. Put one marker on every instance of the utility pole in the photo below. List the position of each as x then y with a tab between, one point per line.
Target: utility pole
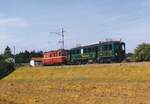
62	37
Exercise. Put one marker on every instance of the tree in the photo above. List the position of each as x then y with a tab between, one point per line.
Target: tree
142	52
25	57
36	54
7	53
6	63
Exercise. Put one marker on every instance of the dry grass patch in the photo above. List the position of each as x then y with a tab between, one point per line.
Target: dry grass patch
85	84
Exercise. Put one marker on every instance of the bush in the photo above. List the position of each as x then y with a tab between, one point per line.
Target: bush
6	68
142	52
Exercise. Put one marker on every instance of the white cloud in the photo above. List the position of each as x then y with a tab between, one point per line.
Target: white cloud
12	22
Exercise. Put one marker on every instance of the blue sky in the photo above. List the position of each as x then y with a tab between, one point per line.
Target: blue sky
28	24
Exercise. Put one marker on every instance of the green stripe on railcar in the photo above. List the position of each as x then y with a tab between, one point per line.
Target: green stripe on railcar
84	53
105	50
105	53
90	55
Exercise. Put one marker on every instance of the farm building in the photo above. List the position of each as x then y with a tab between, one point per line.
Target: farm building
36	61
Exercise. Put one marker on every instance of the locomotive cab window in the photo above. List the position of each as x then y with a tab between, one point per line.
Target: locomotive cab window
59	54
62	54
117	47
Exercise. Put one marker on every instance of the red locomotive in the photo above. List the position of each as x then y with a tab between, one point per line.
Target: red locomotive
55	57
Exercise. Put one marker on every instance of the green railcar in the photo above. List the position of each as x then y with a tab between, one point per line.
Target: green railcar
110	51
85	54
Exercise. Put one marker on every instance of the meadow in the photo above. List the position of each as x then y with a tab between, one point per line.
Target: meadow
125	83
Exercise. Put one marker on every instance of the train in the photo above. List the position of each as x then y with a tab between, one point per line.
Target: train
102	52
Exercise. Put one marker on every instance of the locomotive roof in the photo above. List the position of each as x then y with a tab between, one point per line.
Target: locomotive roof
95	45
53	51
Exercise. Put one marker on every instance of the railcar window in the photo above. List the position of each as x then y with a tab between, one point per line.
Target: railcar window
78	51
85	50
93	49
72	52
89	49
100	48
110	47
104	48
75	52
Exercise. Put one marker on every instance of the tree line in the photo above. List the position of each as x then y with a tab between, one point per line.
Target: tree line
25	57
21	57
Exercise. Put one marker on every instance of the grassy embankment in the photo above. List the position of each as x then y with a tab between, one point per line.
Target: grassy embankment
89	84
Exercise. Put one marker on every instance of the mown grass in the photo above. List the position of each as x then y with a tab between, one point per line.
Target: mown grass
100	73
85	84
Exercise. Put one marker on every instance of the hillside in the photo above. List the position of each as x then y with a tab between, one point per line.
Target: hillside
86	84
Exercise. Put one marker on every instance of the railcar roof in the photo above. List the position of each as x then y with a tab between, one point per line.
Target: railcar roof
94	45
87	46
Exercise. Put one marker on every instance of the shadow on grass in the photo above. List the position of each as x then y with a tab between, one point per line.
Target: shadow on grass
6	71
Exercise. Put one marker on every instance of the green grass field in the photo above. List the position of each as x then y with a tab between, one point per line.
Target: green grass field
85	84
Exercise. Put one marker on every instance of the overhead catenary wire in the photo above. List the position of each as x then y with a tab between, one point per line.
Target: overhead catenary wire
62	37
